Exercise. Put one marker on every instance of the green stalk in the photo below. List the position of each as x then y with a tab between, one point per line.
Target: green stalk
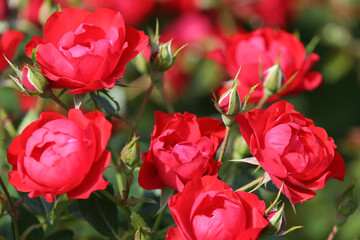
14	220
226	140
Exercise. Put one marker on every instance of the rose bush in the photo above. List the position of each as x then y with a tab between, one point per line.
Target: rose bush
9	42
265	45
85	51
291	149
182	147
209	209
56	155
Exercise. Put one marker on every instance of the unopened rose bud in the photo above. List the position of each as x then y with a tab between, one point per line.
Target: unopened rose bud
33	81
29	79
162	58
273	79
277	221
229	104
346	203
130	155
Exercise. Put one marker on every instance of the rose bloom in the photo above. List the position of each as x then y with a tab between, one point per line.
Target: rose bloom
182	147
56	155
133	11
9	42
291	150
265	45
209	209
85	51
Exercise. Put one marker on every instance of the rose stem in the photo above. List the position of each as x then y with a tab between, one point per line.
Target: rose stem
167	102
250	184
58	101
333	233
14	220
226	140
262	102
142	108
158	220
121	183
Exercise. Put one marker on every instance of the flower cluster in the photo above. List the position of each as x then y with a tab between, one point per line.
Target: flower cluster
87	133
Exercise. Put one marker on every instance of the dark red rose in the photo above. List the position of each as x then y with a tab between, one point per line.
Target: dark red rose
182	147
9	42
86	51
292	150
57	155
266	45
209	209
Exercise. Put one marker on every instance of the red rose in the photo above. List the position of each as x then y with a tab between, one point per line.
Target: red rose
209	209
182	147
86	51
265	45
291	150
9	42
133	11
56	155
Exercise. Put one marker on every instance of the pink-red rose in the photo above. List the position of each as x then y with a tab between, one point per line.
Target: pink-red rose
9	42
209	209
86	51
57	155
291	150
182	147
265	45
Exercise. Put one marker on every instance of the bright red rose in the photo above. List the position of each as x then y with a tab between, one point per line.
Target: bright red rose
209	209
182	147
9	42
265	45
291	150
56	155
133	11
86	51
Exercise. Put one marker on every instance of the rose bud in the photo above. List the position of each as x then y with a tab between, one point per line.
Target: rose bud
277	221
162	58
29	80
229	104
130	155
33	81
346	204
273	79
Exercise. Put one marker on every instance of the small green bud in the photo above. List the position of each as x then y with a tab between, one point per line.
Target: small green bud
273	79
162	58
130	155
277	221
346	204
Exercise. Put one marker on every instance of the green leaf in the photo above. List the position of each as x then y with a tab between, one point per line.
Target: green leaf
65	234
100	212
30	117
105	104
166	194
38	204
138	223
